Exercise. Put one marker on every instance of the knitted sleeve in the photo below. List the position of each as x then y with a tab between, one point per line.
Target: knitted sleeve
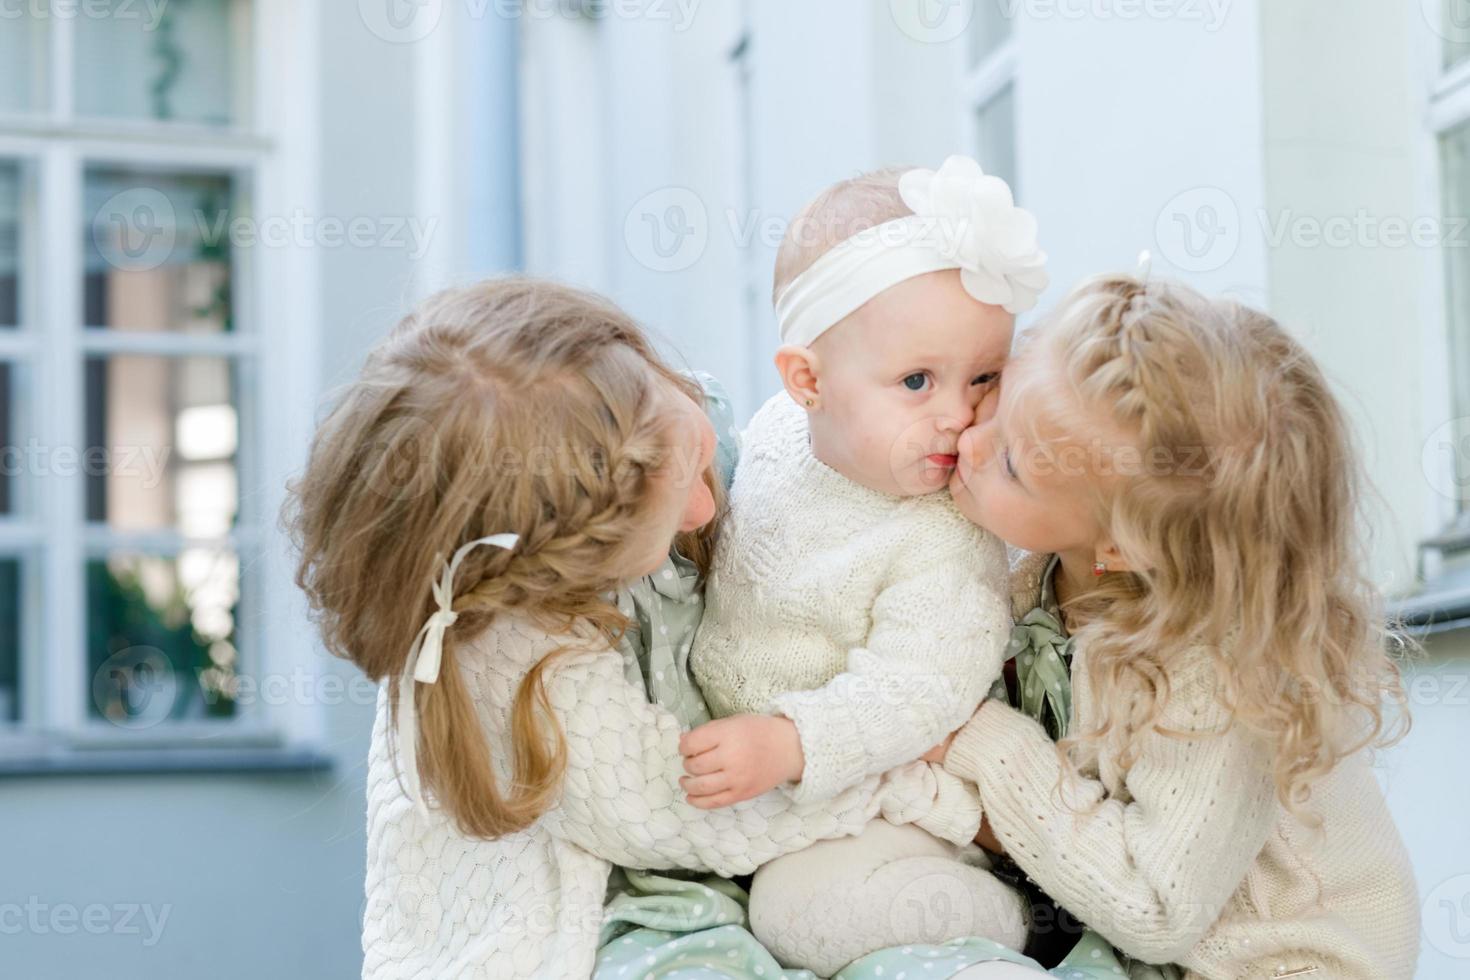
1152	865
937	642
621	799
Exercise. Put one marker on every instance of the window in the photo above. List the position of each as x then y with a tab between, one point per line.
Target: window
131	364
18	533
990	88
1447	453
1455	164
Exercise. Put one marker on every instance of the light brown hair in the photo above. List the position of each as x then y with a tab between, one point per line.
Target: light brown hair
1246	526
514	405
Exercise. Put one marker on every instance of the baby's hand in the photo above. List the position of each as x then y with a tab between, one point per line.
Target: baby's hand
738	758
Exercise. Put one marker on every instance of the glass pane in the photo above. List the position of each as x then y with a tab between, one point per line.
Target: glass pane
158	251
10	597
1457	208
990	28
164	61
995	126
162	437
22	62
161	636
12	455
9	243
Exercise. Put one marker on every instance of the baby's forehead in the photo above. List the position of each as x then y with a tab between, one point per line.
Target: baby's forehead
929	343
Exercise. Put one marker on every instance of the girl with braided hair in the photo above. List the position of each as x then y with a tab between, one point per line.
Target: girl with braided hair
512	458
1201	667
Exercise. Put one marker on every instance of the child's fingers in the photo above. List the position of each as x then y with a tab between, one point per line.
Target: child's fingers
701	739
695	786
703	764
715	802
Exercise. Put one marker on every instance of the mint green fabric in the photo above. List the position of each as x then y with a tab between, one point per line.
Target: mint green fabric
693	926
1043	654
671	924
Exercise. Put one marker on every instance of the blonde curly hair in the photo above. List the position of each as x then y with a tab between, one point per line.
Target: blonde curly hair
1245	530
514	405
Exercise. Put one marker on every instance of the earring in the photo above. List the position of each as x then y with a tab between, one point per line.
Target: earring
1099	567
809	403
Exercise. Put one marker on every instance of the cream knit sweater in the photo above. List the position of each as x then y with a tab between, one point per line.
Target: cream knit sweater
1190	859
876	623
440	904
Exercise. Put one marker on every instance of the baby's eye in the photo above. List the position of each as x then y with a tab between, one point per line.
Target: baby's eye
986	378
916	381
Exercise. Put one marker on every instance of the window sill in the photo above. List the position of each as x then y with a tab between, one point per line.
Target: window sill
155	761
1441	605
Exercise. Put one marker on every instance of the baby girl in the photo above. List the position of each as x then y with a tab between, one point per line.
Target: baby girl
855	617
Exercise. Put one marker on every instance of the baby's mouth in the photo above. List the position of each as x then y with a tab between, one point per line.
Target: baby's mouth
946	460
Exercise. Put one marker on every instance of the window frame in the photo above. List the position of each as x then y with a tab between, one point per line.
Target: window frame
1446	107
985	82
273	166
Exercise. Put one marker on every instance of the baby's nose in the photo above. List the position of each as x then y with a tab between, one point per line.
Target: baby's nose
956	416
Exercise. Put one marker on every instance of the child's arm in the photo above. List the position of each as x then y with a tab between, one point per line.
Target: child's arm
621	798
1152	871
936	644
740	757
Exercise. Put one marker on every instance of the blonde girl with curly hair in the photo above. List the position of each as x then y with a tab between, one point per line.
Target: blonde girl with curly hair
1201	667
512	456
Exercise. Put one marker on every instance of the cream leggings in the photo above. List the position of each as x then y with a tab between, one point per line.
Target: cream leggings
823	907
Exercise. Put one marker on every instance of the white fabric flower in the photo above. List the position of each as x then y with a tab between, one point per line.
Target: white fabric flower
974	221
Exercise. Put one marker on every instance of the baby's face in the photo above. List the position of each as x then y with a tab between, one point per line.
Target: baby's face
902	377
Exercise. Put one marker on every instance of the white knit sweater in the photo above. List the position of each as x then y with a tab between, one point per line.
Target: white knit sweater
1190	859
440	904
876	623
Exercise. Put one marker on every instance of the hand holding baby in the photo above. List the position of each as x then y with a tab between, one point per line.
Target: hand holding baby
739	758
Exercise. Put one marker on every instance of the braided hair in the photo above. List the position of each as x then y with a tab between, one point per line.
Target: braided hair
1234	493
513	405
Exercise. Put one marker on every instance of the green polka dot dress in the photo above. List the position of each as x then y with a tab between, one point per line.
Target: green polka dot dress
692	926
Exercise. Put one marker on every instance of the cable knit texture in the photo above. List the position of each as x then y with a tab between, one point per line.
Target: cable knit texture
440	904
875	622
1190	859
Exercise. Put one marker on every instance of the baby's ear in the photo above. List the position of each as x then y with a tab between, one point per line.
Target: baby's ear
799	369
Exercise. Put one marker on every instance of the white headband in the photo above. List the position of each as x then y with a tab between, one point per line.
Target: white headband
963	219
